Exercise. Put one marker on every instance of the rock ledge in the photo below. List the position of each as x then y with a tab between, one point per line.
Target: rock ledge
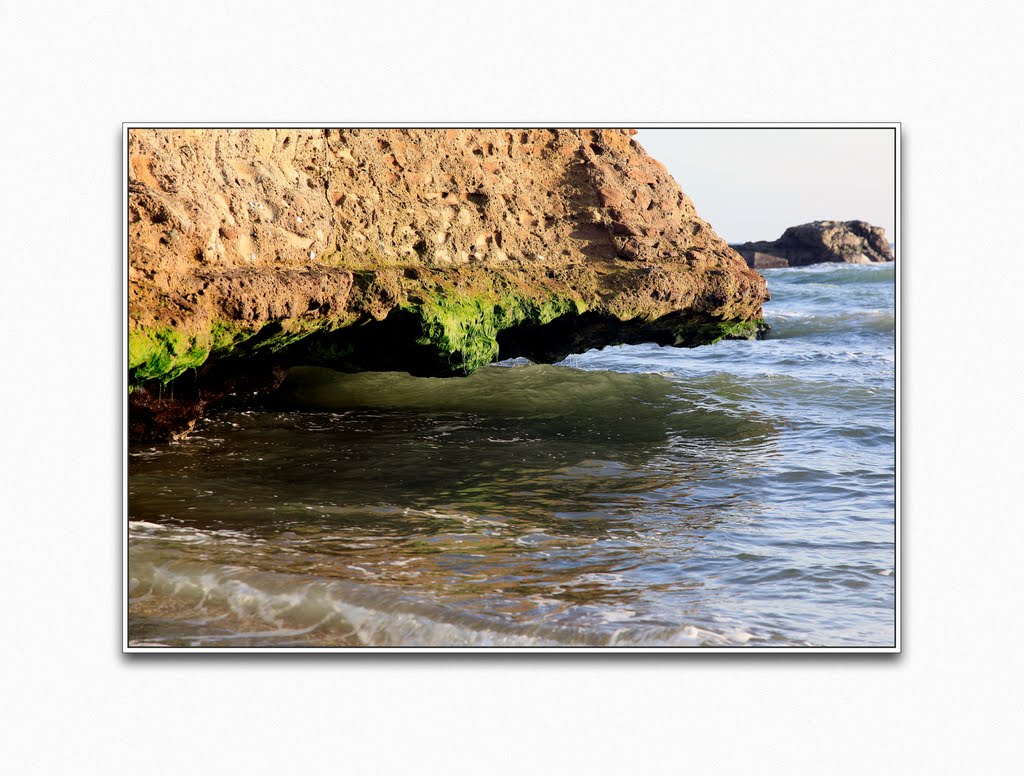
427	251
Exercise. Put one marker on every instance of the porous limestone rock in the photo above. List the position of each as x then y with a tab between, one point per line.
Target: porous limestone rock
432	251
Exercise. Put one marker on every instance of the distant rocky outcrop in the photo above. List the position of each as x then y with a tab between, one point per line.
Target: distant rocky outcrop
819	242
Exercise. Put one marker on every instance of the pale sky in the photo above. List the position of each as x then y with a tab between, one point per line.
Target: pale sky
750	184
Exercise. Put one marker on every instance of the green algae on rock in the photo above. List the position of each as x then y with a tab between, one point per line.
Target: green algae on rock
467	328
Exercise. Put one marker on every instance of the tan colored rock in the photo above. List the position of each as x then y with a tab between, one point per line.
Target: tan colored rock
313	230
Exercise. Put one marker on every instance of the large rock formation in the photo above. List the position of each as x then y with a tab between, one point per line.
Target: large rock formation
427	251
852	242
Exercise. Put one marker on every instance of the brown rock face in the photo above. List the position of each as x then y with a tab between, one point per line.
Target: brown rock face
433	251
851	242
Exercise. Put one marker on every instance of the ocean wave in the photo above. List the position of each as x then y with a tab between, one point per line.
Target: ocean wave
735	494
789	324
197	603
543	400
833	274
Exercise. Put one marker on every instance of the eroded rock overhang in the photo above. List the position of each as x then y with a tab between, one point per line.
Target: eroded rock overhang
428	251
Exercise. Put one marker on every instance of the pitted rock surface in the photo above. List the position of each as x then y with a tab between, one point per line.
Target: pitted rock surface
263	242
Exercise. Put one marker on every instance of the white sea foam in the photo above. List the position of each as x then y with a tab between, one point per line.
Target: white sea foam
654	504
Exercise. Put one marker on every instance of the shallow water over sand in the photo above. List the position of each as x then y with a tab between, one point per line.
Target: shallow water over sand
736	494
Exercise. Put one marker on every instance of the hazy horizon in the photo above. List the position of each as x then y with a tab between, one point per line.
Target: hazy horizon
751	184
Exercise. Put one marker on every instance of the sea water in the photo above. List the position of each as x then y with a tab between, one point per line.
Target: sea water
738	494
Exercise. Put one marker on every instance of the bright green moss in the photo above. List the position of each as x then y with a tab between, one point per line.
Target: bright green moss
748	330
466	328
693	333
164	353
225	336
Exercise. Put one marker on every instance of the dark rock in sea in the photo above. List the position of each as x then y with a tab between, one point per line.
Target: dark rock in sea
431	252
850	242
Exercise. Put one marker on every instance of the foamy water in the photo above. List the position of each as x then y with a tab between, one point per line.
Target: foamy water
740	494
